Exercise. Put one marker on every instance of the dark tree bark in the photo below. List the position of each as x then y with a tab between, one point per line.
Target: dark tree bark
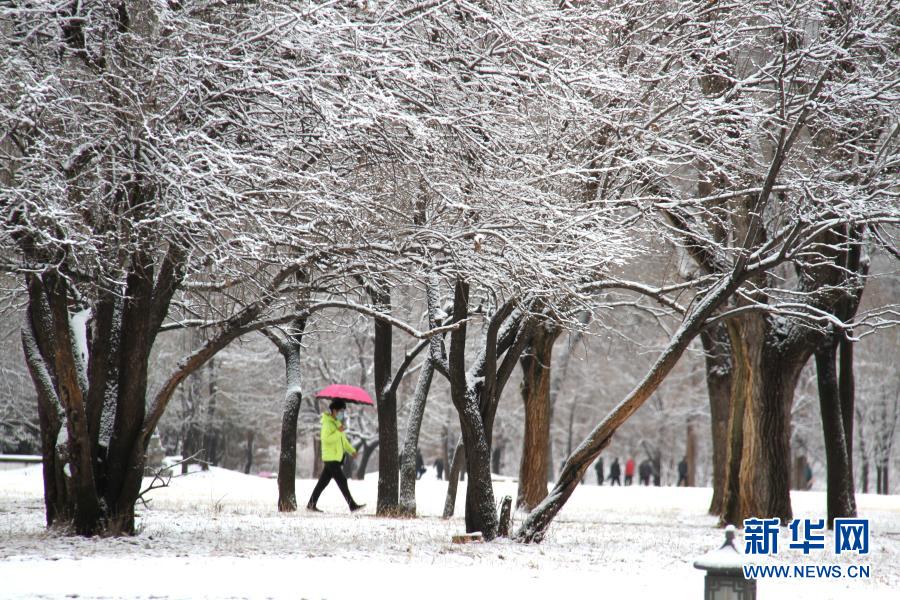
248	456
386	404
535	390
476	394
317	464
91	377
497	455
717	359
840	498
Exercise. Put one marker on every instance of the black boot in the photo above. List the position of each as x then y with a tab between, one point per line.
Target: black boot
355	507
312	508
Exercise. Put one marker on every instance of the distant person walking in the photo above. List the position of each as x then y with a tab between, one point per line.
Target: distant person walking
599	468
420	464
645	469
334	446
439	467
682	472
629	471
615	472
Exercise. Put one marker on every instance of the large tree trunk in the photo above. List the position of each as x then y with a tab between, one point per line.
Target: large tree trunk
717	358
535	389
840	498
90	371
476	394
766	368
481	510
411	444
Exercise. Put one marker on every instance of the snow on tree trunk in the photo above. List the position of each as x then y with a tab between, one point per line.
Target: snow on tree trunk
411	444
287	458
481	509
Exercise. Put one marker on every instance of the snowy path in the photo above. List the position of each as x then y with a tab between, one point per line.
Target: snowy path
217	535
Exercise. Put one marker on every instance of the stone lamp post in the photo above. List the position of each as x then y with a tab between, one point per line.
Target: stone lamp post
725	572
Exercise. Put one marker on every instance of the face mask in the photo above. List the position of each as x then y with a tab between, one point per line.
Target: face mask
340	416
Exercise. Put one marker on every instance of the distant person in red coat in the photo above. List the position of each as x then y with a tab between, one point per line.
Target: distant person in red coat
629	471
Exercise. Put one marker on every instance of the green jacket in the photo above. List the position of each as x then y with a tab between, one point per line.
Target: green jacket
334	442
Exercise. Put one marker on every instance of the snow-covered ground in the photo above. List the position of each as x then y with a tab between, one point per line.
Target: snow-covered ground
217	534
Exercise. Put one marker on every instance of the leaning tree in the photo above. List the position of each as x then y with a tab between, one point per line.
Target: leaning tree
738	98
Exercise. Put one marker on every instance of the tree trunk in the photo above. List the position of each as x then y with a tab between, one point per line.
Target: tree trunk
411	444
209	432
481	512
865	475
317	464
766	370
90	370
248	460
717	358
367	451
289	347
840	499
691	453
535	526
445	449
847	391
287	458
453	473
386	404
535	390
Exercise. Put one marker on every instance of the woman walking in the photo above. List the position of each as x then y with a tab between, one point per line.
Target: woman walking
334	446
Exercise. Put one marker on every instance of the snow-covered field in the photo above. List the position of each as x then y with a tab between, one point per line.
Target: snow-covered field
217	534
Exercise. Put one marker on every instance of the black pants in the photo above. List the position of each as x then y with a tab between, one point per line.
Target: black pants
331	471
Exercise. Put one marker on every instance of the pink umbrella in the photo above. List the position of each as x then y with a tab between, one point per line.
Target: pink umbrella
348	393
